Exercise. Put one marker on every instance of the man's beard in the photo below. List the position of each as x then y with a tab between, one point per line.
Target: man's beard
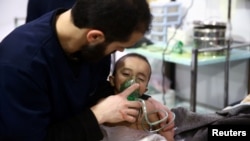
92	53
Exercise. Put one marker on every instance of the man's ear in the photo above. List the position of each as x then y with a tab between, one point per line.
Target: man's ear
95	36
111	80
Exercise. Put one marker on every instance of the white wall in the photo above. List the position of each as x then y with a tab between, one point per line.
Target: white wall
10	9
218	10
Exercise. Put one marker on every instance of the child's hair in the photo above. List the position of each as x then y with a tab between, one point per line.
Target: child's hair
120	60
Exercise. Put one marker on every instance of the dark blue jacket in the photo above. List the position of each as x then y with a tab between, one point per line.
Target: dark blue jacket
36	8
40	95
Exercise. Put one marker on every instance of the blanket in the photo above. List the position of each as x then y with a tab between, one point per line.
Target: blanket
191	126
123	133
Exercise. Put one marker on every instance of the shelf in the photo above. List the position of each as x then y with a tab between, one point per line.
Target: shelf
190	58
186	57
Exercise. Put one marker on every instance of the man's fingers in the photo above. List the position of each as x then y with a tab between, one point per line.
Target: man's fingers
131	115
130	90
170	122
169	127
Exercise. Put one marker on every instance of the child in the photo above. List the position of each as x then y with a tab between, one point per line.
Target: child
133	66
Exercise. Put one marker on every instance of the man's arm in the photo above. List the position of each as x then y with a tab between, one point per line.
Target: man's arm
80	128
25	113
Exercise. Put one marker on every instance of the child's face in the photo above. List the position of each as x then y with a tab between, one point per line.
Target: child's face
132	67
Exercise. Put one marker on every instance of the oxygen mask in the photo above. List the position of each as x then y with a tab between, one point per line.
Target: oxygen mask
147	124
135	94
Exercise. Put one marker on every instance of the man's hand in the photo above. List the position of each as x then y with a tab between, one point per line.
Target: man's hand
158	105
117	108
169	135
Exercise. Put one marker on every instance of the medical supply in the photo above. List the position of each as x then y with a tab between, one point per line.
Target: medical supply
147	125
134	95
165	14
154	126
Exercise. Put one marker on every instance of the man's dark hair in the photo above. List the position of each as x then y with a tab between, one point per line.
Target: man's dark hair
117	19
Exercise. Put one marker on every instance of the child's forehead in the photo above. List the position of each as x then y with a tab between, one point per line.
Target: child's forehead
134	62
133	58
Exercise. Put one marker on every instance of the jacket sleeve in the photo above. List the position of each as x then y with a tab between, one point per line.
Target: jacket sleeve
24	113
80	128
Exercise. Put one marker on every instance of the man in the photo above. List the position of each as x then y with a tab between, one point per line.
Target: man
51	67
